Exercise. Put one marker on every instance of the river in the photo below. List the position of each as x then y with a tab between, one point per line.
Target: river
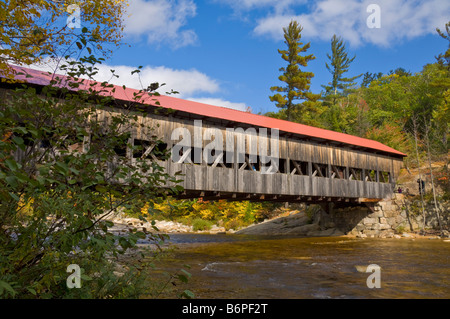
239	266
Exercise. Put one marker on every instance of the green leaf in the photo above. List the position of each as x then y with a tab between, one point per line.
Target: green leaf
18	140
85	277
12	181
101	189
75	171
62	168
32	291
140	235
182	278
109	223
188	294
4	285
20	129
16	198
123	242
12	164
186	273
87	186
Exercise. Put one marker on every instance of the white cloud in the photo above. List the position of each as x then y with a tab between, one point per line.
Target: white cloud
161	21
400	19
186	82
220	102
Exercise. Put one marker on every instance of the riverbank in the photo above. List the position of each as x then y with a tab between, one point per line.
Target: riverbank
123	224
321	225
291	223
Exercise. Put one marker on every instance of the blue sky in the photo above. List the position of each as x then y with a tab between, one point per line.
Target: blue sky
224	52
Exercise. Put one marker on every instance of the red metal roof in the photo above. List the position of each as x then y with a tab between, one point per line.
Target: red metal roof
127	94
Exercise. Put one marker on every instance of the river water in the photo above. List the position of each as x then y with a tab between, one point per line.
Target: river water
238	266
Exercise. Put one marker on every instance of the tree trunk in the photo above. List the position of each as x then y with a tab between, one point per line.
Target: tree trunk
414	119
436	208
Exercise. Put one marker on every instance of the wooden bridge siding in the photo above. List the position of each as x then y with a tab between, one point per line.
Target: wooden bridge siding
207	178
202	178
299	150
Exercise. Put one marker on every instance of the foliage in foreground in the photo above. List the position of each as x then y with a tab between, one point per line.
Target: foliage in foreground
62	173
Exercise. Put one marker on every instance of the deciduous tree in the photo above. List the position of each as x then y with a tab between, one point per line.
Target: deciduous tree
34	29
62	173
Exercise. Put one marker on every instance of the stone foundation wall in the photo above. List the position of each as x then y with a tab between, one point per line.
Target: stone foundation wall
387	218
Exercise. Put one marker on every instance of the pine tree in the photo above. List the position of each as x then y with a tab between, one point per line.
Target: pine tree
297	81
368	77
340	63
444	59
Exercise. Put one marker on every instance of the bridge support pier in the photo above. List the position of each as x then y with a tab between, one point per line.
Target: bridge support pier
327	207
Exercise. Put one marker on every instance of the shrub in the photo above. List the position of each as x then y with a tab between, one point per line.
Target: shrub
201	224
54	197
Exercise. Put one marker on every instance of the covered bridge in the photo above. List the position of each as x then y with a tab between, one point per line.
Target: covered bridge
258	157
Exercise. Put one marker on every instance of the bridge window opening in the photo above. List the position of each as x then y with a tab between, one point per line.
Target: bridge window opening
146	149
73	142
160	151
282	166
28	138
337	172
97	141
141	148
356	174
120	148
320	170
196	152
250	163
298	168
253	162
385	177
228	158
371	175
100	142
184	155
218	158
304	168
229	163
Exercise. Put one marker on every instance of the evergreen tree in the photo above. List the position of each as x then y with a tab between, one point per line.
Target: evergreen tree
444	59
400	72
340	63
297	81
369	77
